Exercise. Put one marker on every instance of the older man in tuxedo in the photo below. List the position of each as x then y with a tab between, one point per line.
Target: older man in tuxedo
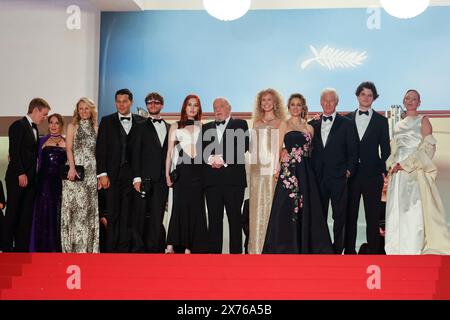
334	155
115	134
21	176
148	163
225	142
374	149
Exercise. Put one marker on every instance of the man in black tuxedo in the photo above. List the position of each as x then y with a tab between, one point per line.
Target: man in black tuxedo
334	157
225	142
374	149
21	176
112	153
149	163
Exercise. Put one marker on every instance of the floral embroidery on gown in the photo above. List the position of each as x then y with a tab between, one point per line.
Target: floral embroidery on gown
296	223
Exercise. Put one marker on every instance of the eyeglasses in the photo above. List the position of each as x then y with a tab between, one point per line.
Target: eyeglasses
153	101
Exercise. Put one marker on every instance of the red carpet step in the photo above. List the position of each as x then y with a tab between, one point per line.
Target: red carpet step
222	277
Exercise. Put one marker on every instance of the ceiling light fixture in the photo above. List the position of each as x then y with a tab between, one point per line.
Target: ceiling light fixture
405	9
227	10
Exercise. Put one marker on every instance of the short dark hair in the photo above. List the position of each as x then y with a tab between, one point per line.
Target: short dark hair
368	85
123	92
38	103
154	96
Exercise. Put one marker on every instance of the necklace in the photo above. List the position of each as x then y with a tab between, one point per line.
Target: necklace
299	125
269	120
56	139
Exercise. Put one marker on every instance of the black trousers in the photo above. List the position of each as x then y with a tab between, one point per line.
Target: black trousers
370	188
335	189
118	207
219	198
148	232
246	222
17	222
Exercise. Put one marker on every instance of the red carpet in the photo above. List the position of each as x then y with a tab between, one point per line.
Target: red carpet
223	277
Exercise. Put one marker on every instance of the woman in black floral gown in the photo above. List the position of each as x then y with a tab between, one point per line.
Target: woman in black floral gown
296	223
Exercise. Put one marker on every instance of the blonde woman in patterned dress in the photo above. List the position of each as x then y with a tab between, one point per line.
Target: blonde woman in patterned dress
79	212
268	114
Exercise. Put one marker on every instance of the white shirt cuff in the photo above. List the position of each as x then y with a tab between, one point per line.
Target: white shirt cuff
137	179
103	174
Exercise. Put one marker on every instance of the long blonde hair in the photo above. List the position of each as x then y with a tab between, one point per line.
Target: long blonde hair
76	117
278	109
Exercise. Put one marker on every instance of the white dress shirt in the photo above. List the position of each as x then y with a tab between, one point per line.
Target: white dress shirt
221	129
126	124
161	130
326	127
362	122
31	124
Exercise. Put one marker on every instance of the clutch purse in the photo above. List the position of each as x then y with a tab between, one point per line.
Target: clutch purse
65	171
174	175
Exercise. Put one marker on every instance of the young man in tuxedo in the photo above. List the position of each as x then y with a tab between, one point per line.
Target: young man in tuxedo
225	142
374	149
21	176
148	163
334	156
112	153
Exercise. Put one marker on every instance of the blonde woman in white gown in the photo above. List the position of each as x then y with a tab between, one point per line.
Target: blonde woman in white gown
268	114
415	216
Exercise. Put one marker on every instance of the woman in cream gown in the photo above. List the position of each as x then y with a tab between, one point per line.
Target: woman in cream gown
267	117
415	216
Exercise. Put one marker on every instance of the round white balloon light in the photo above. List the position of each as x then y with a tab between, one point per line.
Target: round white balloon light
405	9
227	10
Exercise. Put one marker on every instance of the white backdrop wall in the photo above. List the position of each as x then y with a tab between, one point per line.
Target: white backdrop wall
41	57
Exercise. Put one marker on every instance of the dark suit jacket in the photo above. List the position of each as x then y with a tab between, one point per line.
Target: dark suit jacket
375	138
234	144
108	151
340	152
23	150
148	158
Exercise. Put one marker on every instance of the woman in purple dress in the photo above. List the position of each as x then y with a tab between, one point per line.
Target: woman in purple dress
45	232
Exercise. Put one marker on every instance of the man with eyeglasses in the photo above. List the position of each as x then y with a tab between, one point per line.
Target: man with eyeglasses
148	164
115	133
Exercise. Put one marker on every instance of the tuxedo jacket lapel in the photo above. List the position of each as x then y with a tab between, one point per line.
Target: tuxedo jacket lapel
319	132
117	126
370	126
30	129
166	139
334	127
152	129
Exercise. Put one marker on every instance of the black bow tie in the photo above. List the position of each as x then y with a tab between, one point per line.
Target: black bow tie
189	122
156	120
363	112
34	126
218	123
125	118
328	118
